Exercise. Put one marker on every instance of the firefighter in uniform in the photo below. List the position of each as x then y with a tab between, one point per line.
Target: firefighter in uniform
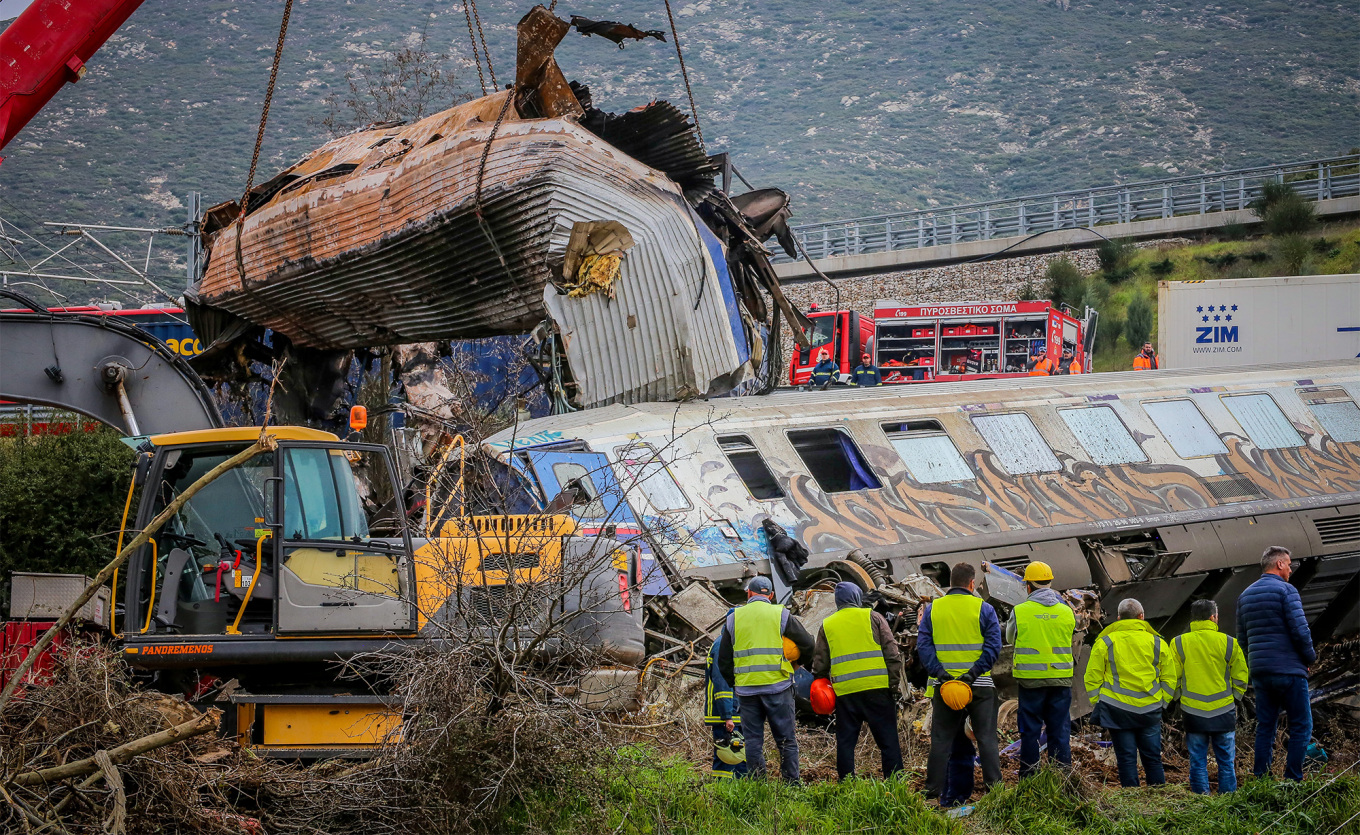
857	650
866	373
720	713
1131	676
824	373
1041	629
1213	673
753	658
958	642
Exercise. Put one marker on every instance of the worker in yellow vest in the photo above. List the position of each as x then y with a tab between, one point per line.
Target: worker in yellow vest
753	658
958	641
1213	674
1131	677
857	650
1041	630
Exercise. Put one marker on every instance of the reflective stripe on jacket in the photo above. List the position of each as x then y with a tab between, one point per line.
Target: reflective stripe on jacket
866	375
720	704
824	372
1042	368
1130	668
1142	363
1213	670
758	644
857	662
1043	640
956	627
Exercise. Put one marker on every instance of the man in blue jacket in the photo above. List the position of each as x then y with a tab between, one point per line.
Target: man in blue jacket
1273	632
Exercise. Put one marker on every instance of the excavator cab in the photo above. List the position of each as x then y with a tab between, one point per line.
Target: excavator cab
307	540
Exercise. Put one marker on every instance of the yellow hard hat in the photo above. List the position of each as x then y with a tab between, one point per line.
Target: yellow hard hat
1038	572
956	694
791	650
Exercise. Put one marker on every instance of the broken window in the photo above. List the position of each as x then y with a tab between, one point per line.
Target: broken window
1339	418
1262	420
576	476
1185	428
1103	435
644	469
834	461
1017	443
746	460
928	452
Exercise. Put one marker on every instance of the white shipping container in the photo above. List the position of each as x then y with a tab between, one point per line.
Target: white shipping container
1243	321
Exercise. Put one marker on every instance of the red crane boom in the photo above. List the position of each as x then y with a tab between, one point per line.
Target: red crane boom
45	48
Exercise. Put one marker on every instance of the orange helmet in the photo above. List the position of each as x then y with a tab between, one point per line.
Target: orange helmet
823	697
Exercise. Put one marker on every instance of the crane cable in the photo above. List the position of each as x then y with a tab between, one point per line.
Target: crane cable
476	56
486	52
684	73
259	137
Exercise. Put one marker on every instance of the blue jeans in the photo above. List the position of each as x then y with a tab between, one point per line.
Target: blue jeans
1225	754
1273	693
776	709
1129	745
1040	707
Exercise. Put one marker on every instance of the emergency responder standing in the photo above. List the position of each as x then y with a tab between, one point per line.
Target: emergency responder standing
866	373
1131	676
752	657
1146	359
825	371
1068	364
958	642
856	649
1213	672
721	713
1039	364
1041	630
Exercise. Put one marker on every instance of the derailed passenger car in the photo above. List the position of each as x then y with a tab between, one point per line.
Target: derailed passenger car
1166	486
478	220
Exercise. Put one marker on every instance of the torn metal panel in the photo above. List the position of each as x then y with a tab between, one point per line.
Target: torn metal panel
543	90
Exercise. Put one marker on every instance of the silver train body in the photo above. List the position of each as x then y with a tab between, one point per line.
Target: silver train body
1165	486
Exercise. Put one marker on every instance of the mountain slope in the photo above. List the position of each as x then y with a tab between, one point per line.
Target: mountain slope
856	106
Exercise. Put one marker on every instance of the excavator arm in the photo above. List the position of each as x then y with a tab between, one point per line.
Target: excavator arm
45	48
101	368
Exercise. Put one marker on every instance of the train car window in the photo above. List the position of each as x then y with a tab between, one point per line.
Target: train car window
754	473
1339	418
1184	427
928	452
571	474
1262	420
1017	443
642	467
1103	435
834	461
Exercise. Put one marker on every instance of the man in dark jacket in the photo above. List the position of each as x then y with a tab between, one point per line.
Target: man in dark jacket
1273	632
866	687
764	681
720	713
866	373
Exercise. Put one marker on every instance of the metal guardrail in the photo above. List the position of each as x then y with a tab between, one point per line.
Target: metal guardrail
1196	195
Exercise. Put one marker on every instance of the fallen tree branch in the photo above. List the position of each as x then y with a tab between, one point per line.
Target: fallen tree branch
206	723
265	444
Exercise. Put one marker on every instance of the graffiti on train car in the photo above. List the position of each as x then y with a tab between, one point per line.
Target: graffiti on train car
1080	493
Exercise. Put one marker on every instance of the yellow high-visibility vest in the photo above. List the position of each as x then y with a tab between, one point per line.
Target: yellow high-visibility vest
956	626
1213	670
1130	668
857	662
1043	640
758	645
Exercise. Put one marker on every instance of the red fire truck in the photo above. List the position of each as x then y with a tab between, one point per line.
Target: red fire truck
953	341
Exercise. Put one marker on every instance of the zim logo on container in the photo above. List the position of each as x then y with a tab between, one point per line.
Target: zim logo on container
1217	328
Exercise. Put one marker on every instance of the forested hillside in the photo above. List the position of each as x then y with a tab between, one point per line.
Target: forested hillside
855	106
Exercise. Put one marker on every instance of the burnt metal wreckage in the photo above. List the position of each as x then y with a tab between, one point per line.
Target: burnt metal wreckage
485	220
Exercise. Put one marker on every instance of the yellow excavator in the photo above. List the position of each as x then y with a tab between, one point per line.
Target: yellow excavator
303	556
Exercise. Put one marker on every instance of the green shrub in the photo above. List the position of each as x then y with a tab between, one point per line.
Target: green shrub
1292	253
1282	211
1063	283
61	501
1232	232
1114	257
1138	325
1163	268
